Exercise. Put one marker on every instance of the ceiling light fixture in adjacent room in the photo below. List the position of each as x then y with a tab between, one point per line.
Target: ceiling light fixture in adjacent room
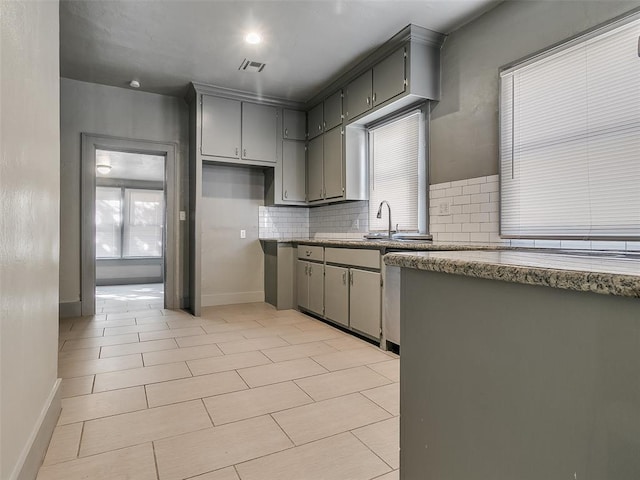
253	38
103	168
134	84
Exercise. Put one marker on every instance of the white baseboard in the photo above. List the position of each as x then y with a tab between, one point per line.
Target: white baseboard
33	452
213	299
70	309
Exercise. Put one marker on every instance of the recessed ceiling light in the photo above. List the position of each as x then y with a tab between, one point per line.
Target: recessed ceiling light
134	84
103	168
253	38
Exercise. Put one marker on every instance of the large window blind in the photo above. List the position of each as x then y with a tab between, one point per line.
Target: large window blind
570	140
108	222
394	169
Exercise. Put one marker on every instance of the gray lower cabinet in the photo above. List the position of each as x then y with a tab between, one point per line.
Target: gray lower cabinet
315	169
333	165
259	132
310	283
293	171
365	302
336	294
221	120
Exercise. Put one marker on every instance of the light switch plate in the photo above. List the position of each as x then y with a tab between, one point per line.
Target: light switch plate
243	234
183	215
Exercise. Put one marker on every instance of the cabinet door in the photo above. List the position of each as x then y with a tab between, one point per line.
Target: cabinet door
336	294
389	77
364	302
293	171
259	132
315	121
316	288
358	96
315	169
333	185
221	120
294	125
302	283
333	111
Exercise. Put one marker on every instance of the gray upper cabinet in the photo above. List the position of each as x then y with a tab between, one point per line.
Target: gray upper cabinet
315	121
333	111
294	125
259	132
293	171
389	77
221	120
358	96
333	167
315	169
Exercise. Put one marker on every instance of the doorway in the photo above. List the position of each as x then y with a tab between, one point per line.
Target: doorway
128	225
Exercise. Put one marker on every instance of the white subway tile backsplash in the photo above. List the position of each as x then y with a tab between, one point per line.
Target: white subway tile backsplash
469	189
480	217
452	192
459	183
481	198
489	187
462	199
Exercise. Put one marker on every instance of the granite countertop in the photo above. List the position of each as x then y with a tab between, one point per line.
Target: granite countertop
381	244
614	274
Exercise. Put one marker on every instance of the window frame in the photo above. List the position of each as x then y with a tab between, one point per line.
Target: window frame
540	55
423	109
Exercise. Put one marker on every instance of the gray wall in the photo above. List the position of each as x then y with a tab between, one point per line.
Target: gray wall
120	112
29	231
232	268
464	124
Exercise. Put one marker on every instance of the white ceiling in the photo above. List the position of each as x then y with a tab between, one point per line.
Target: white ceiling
165	44
131	166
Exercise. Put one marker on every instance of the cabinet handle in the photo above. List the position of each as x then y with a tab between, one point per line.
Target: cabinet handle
321	195
319	127
236	151
368	101
306	269
374	97
286	132
351	277
244	153
324	124
344	278
310	270
285	194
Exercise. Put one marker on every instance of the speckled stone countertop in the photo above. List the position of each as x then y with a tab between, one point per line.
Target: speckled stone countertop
609	275
382	244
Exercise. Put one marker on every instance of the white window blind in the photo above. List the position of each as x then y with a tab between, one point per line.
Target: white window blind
394	169
570	140
143	223
108	222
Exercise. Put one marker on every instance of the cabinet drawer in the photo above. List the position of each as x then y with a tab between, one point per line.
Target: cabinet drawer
311	252
353	256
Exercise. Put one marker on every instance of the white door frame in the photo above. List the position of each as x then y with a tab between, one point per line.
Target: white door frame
90	143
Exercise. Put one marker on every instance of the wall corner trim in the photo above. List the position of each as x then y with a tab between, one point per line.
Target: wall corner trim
34	451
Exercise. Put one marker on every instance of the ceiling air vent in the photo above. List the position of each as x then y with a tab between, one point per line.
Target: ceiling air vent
251	66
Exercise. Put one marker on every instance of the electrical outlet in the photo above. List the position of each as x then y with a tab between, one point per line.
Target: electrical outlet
243	234
356	224
183	215
445	207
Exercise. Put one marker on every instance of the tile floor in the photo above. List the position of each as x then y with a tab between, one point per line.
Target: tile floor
126	298
244	392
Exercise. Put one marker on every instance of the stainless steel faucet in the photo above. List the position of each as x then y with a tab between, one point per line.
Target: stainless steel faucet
379	215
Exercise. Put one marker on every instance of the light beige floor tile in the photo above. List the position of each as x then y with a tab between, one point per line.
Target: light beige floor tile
150	320
171	333
245	317
251	344
149	327
282	320
347	343
231	327
395	475
341	457
384	439
390	369
140	347
351	358
292	352
60	344
64	326
71	387
218	447
79	368
79	354
181	354
228	473
290	313
100	341
269	331
136	314
105	323
341	382
179	322
108	433
255	402
135	463
140	376
81	333
97	405
208	339
280	372
329	417
227	362
193	387
388	397
314	326
312	336
64	444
